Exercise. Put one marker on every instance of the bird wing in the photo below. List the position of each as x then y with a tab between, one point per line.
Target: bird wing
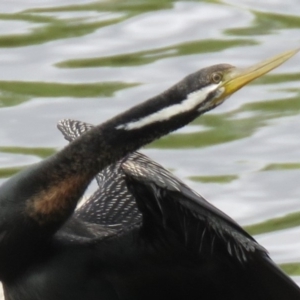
171	209
112	203
137	186
138	189
168	204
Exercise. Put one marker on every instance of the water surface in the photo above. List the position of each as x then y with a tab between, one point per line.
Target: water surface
89	60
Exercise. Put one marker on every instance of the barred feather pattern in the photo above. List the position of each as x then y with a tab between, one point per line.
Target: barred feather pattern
112	203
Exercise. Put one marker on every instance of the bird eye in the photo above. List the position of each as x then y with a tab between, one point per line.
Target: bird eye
216	77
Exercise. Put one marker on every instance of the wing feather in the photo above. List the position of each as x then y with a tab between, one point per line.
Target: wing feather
169	208
112	203
137	188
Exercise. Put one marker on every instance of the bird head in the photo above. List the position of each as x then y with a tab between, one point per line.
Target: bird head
195	94
213	85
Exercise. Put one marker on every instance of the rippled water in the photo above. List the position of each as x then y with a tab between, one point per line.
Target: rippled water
90	60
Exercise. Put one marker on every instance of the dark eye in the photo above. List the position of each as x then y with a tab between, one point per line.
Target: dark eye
216	77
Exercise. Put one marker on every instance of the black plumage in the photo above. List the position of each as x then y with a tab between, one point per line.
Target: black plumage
152	198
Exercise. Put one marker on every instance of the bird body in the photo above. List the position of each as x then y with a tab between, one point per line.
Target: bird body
161	241
127	266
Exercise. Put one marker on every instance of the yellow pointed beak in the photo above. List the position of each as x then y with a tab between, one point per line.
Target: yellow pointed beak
236	79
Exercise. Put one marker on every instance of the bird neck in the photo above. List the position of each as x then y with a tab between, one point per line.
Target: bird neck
49	191
129	131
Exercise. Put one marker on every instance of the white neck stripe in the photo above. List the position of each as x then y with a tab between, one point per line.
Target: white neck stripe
192	100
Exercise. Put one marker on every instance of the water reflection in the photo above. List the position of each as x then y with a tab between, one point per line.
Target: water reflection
89	60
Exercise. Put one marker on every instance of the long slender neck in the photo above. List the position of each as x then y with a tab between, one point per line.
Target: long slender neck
125	133
47	193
